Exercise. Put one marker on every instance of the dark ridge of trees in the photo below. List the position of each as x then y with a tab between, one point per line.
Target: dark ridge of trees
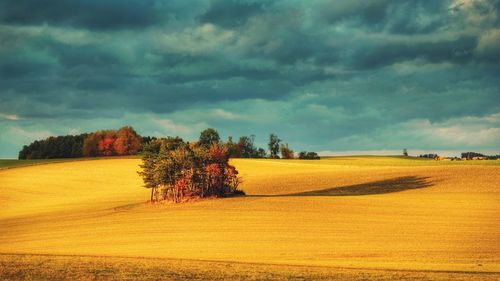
471	155
69	146
125	141
178	171
431	155
308	155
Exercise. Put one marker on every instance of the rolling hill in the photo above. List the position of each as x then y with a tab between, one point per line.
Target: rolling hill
342	217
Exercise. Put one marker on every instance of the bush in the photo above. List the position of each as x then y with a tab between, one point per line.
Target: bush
308	155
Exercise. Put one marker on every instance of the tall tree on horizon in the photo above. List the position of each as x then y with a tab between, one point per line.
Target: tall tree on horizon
208	137
274	146
286	152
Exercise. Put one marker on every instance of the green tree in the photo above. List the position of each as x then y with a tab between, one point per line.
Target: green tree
208	137
274	146
261	153
232	148
246	147
308	155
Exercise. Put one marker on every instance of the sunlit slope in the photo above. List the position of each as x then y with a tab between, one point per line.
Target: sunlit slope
69	185
297	212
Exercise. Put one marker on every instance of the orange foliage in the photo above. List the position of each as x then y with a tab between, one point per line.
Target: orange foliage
218	154
127	142
105	145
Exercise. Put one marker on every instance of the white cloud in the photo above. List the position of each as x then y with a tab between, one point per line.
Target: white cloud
489	44
221	113
11	117
457	133
193	40
172	127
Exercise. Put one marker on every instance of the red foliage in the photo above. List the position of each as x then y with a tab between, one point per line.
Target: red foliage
127	142
231	179
215	178
218	154
105	145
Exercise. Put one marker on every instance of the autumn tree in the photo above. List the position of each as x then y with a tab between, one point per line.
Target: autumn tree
177	171
286	152
90	146
106	139
127	141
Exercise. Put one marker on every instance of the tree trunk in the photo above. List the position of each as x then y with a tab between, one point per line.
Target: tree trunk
152	191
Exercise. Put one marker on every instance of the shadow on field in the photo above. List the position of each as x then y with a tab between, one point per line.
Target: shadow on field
376	187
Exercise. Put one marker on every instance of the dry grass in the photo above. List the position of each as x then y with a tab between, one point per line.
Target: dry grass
420	218
47	267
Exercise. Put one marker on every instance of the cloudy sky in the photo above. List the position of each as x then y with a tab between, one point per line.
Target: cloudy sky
324	75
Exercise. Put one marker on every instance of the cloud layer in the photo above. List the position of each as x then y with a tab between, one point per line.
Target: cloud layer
323	75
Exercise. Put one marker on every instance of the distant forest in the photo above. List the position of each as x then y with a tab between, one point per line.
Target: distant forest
464	155
126	141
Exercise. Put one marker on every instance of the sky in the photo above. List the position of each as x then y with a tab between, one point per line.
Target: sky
328	76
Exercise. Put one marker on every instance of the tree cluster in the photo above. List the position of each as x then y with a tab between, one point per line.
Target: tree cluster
308	155
244	148
470	155
177	171
54	147
431	155
125	141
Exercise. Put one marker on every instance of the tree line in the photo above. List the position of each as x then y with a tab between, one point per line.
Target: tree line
54	147
245	147
470	155
177	171
126	141
464	155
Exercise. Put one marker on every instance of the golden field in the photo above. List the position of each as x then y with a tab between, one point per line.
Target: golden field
336	218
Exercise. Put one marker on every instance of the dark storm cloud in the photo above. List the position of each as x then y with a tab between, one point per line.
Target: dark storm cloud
91	14
353	69
231	13
454	50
